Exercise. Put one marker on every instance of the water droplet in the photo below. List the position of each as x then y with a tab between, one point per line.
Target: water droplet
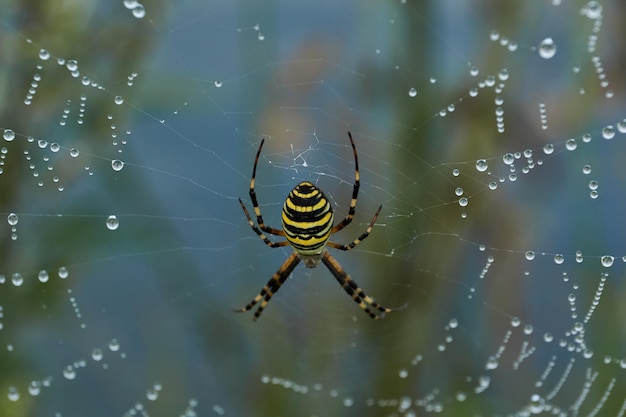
559	259
139	11
587	169
74	152
547	48
484	381
579	256
34	388
218	83
96	354
481	165
515	322
537	404
44	55
112	222
463	201
608	132
12	219
63	272
571	144
508	159
8	135
118	100
117	165
412	92
548	148
607	261
55	147
13	394
17	279
43	276
492	363
593	185
458	192
72	65
530	255
593	10
114	345
69	372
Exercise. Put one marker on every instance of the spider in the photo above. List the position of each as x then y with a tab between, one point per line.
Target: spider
307	219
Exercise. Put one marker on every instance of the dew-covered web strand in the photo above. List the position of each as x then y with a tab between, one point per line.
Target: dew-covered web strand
120	100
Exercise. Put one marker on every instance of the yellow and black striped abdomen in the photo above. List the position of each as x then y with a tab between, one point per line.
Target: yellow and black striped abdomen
307	219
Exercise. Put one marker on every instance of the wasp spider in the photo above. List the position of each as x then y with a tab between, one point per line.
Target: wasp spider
307	219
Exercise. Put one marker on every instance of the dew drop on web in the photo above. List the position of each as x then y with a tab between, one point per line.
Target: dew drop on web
117	165
139	12
548	148
608	132
607	261
12	219
17	279
547	48
481	165
63	272
43	276
8	135
13	394
112	222
69	372
44	55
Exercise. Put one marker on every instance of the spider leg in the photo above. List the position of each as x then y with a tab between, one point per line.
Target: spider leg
355	191
259	232
272	286
358	240
363	300
255	203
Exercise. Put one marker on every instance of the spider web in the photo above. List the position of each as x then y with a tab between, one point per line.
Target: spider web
491	133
